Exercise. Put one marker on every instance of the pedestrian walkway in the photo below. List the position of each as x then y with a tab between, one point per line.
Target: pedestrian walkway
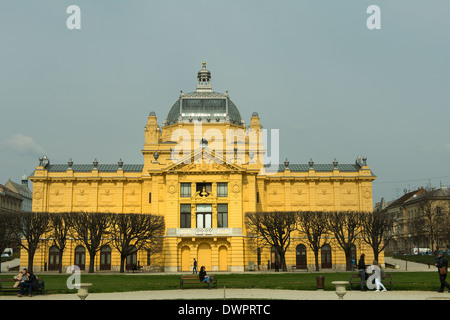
248	294
408	265
8	265
256	294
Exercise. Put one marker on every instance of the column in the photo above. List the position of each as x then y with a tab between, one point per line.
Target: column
237	254
170	255
214	256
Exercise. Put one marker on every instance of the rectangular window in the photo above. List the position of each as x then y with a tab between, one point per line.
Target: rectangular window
222	189
257	197
222	216
204	216
185	190
185	216
150	197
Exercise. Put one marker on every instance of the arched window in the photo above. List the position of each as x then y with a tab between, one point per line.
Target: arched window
326	257
53	259
300	254
80	257
149	257
274	259
353	253
105	258
132	259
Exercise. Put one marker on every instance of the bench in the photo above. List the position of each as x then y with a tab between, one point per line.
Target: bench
194	279
7	285
136	268
355	279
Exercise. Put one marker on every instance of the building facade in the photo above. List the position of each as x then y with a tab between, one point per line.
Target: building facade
203	169
24	191
10	200
422	221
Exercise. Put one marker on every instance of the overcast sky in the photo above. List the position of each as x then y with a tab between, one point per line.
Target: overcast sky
312	69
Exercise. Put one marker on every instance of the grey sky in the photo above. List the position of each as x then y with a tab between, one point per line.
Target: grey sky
312	69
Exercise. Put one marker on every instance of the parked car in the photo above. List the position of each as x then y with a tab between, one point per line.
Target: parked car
423	251
8	252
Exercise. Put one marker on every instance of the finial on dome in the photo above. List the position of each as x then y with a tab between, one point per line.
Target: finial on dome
204	79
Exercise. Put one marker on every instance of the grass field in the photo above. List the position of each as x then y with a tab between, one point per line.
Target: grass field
56	283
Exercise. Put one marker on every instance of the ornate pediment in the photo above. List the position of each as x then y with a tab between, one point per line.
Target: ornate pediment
202	160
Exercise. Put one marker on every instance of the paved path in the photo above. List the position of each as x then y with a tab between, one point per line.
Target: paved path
408	265
10	264
255	294
249	294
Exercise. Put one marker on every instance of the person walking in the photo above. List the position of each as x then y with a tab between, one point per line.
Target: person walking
362	271
442	265
353	264
377	275
194	269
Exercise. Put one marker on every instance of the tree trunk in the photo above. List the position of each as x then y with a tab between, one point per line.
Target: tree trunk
316	258
348	260
60	260
122	263
30	261
376	252
91	261
282	260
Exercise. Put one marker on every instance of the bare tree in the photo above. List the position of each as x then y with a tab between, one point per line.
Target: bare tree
417	232
6	233
274	228
443	230
30	226
132	232
378	230
60	226
91	228
314	225
446	234
346	227
446	226
430	223
7	237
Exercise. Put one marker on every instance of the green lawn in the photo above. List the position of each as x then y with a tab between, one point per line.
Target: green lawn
54	283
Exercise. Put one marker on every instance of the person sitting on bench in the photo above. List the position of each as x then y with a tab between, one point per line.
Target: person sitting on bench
28	284
203	277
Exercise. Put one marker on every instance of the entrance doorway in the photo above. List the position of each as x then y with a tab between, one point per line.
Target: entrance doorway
132	262
300	254
80	257
326	257
274	259
53	259
105	258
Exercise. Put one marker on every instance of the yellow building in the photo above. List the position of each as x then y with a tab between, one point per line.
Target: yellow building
203	169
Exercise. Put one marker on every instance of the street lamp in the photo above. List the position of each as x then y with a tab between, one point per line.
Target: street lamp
408	244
